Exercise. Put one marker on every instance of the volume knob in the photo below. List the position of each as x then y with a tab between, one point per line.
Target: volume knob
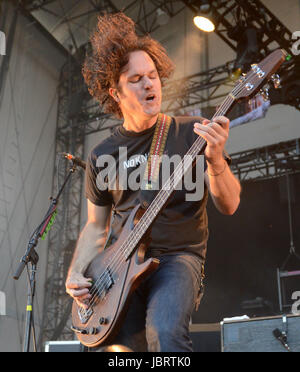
103	320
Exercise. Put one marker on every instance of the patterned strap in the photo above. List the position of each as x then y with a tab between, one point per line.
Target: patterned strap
156	150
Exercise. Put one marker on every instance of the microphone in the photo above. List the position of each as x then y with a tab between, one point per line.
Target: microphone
74	159
281	337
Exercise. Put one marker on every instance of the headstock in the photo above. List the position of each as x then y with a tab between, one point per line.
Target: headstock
259	75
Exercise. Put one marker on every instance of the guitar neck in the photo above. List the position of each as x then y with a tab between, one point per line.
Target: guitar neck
170	185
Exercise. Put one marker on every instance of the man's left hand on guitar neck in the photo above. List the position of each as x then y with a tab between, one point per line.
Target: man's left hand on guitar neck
224	188
215	134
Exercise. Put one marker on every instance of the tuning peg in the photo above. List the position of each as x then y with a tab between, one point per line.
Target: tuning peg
242	77
255	67
276	81
265	94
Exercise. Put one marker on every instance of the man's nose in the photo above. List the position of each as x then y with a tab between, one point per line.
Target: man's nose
147	83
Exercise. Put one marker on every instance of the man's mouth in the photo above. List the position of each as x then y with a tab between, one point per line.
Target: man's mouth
150	98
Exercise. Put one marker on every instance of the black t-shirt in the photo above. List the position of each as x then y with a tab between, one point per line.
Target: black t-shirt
182	225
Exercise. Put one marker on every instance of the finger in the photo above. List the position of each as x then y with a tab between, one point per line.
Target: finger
84	304
78	293
212	134
206	135
223	121
79	284
215	130
85	298
219	129
220	124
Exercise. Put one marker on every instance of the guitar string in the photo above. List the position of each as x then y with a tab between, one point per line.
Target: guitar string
160	197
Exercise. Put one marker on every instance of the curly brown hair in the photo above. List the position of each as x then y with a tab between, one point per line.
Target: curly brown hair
112	42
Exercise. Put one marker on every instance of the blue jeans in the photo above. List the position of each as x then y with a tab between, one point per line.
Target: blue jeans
160	309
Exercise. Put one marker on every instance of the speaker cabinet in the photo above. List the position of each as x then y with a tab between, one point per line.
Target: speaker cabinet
63	347
206	337
256	335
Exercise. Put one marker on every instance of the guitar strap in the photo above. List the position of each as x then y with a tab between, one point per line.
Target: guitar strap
152	168
156	151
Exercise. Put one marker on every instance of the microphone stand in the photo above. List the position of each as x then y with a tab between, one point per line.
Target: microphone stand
292	251
32	257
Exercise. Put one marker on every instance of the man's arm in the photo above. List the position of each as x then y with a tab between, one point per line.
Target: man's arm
224	188
91	241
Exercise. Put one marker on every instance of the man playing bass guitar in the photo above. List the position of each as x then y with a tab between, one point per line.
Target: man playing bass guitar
125	73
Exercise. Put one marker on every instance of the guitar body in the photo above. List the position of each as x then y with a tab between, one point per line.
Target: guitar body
120	280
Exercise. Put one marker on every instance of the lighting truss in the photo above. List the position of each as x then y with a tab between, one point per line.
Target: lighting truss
267	162
203	88
144	12
65	231
33	5
274	32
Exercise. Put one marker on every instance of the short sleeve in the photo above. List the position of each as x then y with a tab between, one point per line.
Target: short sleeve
92	192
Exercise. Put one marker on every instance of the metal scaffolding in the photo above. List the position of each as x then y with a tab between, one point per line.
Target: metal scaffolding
267	162
62	237
225	12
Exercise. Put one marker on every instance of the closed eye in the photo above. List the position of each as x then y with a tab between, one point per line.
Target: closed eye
153	75
135	80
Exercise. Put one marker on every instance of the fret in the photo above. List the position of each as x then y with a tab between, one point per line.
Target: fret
224	108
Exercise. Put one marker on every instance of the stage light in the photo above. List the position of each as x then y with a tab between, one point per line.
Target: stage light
204	23
204	20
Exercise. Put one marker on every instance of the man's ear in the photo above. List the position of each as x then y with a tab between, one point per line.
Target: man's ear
113	92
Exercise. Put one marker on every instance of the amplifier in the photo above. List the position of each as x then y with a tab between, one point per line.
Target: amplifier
63	347
206	337
270	334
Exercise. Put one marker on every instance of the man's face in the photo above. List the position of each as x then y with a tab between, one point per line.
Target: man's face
139	88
